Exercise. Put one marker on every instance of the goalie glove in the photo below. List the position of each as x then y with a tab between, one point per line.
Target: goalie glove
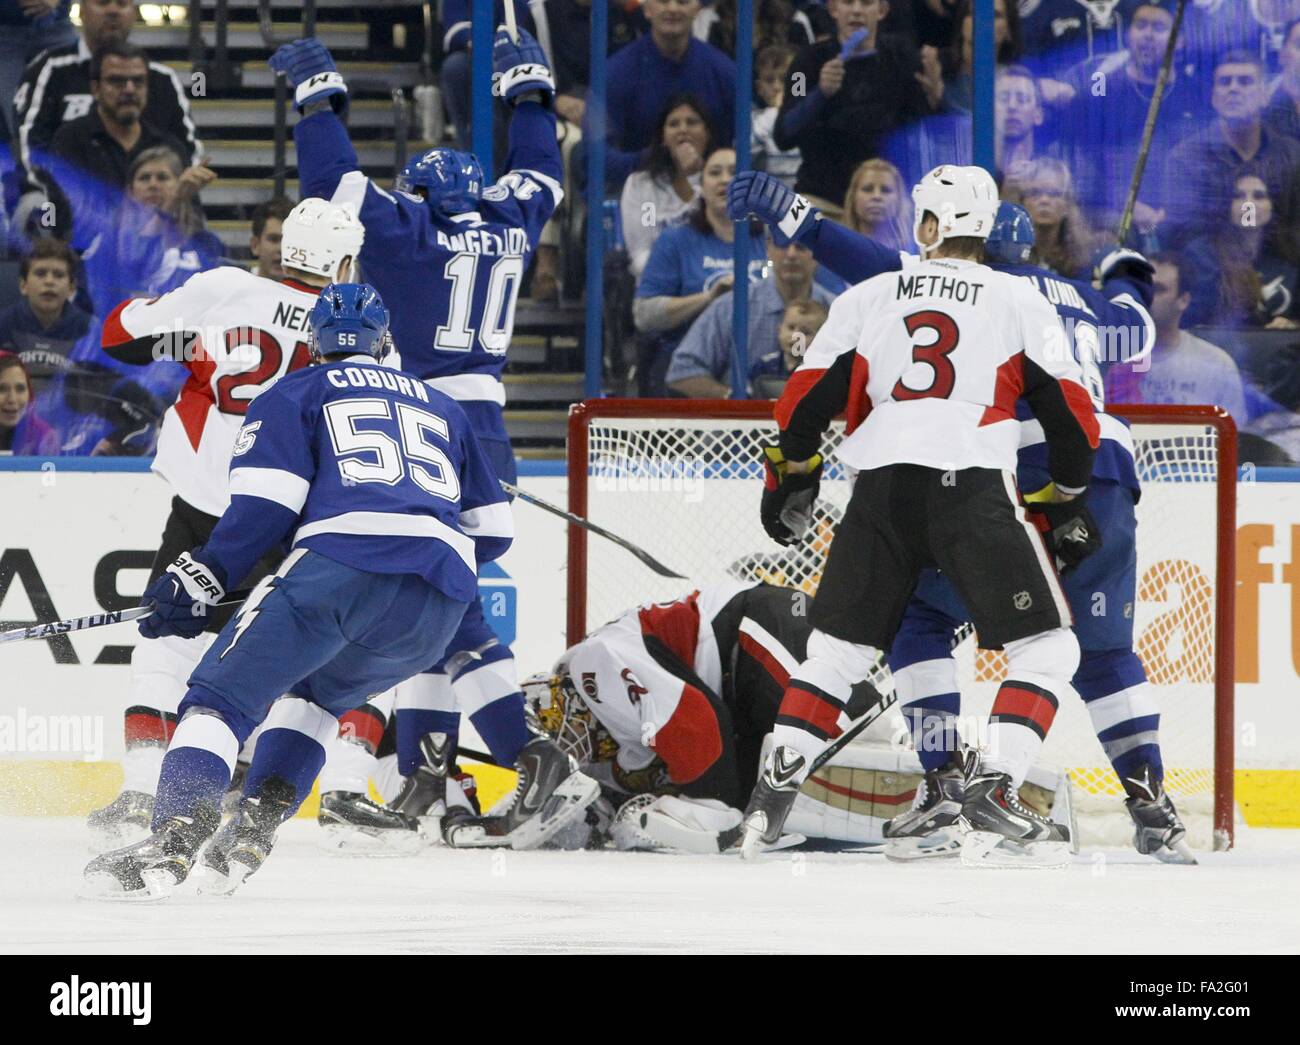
790	215
311	72
1069	529
181	597
787	506
520	68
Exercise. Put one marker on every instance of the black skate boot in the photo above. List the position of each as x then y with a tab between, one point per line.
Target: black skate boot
550	794
1159	831
234	790
124	821
932	827
424	792
771	800
243	845
1004	832
353	823
151	869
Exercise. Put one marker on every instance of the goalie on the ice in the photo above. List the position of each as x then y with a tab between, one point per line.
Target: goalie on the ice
669	706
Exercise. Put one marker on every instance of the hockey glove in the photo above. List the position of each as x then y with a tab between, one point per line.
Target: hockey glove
1068	528
1122	263
312	74
520	68
181	598
788	499
773	203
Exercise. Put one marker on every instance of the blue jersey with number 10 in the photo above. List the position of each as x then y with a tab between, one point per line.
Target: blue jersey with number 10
450	281
367	466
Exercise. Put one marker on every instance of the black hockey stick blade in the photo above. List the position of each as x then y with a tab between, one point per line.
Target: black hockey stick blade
98	620
886	701
578	520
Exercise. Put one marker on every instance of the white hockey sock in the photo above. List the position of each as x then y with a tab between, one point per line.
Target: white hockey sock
348	767
140	767
1039	668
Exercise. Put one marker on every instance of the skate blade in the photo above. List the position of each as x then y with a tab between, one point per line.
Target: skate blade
565	804
104	887
790	841
752	846
105	840
1178	853
346	840
989	849
662	831
941	844
474	836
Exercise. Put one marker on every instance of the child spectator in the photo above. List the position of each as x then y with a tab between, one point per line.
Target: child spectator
1046	190
690	265
42	329
1181	369
21	432
770	68
1236	273
800	322
668	180
878	205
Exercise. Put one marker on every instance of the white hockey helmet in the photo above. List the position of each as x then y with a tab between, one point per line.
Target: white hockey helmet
317	236
964	199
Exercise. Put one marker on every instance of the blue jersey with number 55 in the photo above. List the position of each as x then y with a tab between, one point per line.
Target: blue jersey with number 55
368	466
451	282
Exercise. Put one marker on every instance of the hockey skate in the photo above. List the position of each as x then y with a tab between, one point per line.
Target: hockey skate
550	794
771	800
424	792
1159	832
244	843
1003	832
354	824
933	827
151	869
124	821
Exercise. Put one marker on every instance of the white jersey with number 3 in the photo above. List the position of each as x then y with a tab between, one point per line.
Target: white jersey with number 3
941	350
251	332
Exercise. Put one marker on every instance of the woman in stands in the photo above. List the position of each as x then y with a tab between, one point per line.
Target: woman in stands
878	205
1238	274
690	265
668	180
21	432
1065	240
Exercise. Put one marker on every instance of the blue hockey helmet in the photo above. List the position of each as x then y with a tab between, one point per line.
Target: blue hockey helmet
452	181
349	319
1012	240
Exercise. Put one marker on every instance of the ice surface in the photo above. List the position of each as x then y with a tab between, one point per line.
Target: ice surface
443	901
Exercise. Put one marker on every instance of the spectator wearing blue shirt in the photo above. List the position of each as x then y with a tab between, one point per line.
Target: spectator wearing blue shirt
43	328
647	72
30	26
701	364
690	265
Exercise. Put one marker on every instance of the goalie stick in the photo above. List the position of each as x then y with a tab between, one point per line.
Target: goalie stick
578	520
98	620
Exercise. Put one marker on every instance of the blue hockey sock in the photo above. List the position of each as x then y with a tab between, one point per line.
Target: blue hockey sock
933	722
1126	719
196	768
412	725
502	726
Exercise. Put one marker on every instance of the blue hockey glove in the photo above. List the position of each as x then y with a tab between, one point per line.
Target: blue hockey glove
773	203
312	74
520	67
181	598
1122	263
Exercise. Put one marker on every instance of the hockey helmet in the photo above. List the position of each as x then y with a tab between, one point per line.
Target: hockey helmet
452	181
553	700
1012	240
348	319
963	199
318	235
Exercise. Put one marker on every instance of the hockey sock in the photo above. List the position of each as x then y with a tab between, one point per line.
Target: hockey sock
197	766
930	703
292	746
1118	697
813	709
160	669
487	690
503	728
423	704
1038	668
148	731
350	757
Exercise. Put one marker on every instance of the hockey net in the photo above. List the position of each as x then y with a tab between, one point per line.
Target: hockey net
682	480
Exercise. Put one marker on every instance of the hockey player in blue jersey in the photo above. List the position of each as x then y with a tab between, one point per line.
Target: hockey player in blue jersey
448	254
391	507
1105	324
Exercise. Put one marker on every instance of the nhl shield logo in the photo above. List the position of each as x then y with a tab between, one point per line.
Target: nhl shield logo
1022	600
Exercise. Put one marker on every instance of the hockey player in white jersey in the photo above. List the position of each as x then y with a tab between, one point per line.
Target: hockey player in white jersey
238	334
927	366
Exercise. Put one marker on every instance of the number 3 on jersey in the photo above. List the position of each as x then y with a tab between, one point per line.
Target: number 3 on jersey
498	318
934	353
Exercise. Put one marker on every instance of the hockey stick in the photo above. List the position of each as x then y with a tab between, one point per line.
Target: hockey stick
512	27
578	520
886	701
98	620
1148	132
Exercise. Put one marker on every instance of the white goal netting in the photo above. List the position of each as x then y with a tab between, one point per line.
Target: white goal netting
686	489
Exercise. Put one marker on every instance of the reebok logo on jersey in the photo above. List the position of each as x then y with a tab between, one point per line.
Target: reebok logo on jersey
74	998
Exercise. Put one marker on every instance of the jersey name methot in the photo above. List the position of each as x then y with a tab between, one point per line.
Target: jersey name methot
484	241
938	286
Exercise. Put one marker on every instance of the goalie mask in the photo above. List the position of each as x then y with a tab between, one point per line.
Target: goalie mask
554	701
